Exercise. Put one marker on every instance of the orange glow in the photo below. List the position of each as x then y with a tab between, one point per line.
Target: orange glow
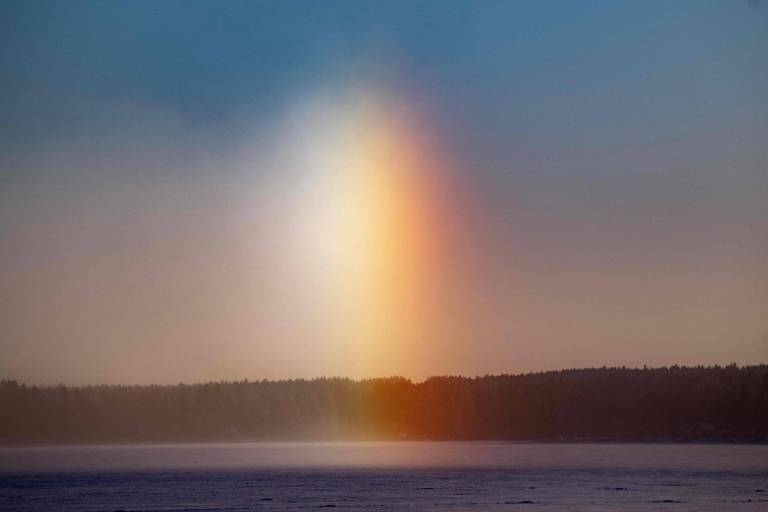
379	231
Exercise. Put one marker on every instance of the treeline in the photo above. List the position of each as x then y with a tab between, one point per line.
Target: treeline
677	403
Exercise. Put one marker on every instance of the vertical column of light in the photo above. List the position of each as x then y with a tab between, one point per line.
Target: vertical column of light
390	237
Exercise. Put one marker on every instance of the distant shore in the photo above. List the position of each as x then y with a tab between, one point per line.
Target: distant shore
606	405
714	442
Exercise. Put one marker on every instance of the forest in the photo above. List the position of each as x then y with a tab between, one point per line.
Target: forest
722	404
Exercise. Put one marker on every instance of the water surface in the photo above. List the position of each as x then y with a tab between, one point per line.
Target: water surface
411	476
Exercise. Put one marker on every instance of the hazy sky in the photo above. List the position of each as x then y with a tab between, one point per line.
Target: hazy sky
226	190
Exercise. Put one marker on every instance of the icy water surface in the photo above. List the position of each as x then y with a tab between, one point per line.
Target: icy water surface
406	476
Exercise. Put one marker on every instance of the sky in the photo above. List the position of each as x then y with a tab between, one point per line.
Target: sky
194	191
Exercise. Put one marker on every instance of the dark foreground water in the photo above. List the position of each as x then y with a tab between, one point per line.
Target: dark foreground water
386	476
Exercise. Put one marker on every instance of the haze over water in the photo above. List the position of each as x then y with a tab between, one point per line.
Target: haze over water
388	476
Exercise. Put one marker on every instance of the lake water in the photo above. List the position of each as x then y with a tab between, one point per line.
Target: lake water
409	476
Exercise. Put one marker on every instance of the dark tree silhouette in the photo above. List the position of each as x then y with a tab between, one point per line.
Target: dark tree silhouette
677	403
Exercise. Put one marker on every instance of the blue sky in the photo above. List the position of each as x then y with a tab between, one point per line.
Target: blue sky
586	73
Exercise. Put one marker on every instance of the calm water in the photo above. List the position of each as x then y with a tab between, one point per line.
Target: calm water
386	476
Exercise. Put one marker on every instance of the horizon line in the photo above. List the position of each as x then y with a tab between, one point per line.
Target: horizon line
733	365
